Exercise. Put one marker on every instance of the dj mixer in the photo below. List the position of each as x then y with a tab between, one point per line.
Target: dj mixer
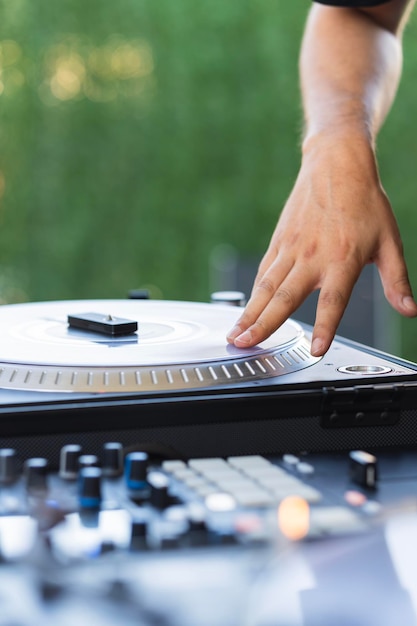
150	474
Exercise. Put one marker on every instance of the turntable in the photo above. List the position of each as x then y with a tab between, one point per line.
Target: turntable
161	372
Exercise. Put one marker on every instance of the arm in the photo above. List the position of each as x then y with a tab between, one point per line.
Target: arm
337	217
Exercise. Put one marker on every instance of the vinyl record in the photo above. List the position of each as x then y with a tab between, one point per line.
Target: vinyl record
176	345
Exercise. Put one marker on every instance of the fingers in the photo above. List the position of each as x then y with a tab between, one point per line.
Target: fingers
337	239
266	311
271	303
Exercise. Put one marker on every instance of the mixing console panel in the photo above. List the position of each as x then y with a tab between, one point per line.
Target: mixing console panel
129	538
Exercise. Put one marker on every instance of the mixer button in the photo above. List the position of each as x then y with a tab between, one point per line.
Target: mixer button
371	507
290	459
234	483
248	462
209	464
252	480
305	469
195	482
310	494
223	474
253	497
206	490
219	502
333	520
183	473
267	473
173	466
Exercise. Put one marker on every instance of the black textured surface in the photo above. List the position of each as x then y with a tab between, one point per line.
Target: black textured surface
256	436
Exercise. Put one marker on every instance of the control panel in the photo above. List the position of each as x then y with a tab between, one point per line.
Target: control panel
128	537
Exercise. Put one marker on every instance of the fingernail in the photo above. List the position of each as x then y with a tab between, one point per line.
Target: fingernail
244	339
317	347
235	332
409	303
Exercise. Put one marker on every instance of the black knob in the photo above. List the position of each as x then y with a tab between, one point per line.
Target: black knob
112	459
197	517
136	468
138	294
139	529
87	460
35	472
234	298
8	466
89	488
68	461
139	523
159	483
363	468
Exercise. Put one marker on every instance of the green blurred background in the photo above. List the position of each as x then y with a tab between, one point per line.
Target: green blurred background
143	141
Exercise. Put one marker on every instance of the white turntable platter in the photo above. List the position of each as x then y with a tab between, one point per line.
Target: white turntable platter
176	345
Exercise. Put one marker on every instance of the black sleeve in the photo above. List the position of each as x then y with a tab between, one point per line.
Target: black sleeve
353	3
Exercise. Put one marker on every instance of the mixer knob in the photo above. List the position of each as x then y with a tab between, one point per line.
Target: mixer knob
136	469
139	294
198	530
234	298
363	468
35	472
159	483
139	529
8	466
112	459
87	460
197	516
69	461
89	488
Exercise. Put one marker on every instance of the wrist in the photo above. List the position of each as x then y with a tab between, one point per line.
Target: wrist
358	138
352	148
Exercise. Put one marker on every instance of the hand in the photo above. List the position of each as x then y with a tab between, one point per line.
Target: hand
336	220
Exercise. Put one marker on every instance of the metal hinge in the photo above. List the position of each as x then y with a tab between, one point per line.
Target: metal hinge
360	406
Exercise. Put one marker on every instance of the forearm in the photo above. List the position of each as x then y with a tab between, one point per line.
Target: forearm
350	67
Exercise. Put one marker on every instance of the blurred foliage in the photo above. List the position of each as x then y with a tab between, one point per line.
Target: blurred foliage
138	136
397	151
